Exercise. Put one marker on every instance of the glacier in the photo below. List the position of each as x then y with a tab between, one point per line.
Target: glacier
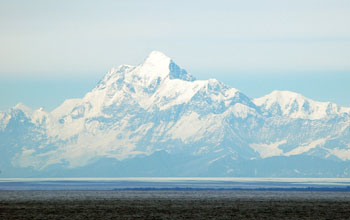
156	119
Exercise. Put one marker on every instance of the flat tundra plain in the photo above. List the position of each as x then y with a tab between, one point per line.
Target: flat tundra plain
174	205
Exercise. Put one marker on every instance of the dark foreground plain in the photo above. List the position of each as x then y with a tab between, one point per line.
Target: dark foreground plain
174	205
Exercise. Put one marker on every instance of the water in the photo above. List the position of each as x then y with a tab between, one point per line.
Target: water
179	184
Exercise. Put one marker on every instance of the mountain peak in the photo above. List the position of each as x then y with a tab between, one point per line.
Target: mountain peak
157	57
295	105
157	66
22	107
284	96
157	112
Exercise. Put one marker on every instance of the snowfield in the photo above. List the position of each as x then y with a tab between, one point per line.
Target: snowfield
155	119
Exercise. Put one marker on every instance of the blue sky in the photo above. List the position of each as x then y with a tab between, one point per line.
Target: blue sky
54	50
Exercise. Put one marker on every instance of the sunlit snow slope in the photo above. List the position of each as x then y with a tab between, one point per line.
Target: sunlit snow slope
155	119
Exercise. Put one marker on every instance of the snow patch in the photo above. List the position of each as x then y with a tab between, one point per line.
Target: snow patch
4	120
216	159
343	154
201	150
268	150
306	147
26	158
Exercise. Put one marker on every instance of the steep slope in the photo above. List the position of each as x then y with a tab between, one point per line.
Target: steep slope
155	119
303	126
155	106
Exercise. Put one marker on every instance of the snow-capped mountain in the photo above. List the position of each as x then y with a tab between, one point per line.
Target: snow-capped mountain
295	105
155	119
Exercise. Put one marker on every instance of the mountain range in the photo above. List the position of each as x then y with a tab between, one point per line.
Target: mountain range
156	120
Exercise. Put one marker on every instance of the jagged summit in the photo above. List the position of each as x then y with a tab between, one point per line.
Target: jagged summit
158	66
159	82
155	68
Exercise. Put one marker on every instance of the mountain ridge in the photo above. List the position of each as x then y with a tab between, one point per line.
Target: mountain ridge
136	111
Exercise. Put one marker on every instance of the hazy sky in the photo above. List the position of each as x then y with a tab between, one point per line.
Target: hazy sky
53	50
